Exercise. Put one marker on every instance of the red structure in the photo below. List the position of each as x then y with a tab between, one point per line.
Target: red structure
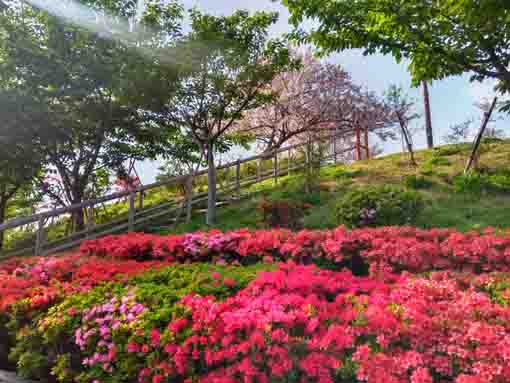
359	145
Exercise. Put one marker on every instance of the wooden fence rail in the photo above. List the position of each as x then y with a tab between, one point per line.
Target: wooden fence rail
139	214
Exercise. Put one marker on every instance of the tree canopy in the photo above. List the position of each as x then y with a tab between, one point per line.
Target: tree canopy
314	99
233	62
86	86
439	38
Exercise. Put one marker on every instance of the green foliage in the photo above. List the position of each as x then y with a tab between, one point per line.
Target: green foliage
417	182
439	38
492	140
293	188
471	184
428	170
234	63
444	207
450	150
379	206
80	96
348	174
474	184
499	289
499	182
438	161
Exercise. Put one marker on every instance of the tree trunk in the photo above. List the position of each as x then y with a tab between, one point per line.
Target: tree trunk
428	116
78	218
406	137
211	185
474	152
3	212
78	215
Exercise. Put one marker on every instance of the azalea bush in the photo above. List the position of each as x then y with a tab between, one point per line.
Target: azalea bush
29	286
370	305
102	332
401	248
379	206
417	182
296	324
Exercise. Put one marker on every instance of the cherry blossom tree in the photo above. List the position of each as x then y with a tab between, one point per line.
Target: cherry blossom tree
316	99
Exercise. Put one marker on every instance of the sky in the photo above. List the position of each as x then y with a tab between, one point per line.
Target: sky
452	100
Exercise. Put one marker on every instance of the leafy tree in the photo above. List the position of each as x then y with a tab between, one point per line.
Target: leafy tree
439	38
229	76
404	109
18	168
95	85
20	158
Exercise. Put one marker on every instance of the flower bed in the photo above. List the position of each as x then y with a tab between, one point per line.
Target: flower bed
401	248
44	280
431	307
295	324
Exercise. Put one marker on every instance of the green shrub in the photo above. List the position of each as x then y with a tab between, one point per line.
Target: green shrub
476	183
349	174
492	140
499	182
417	182
451	150
469	184
499	289
438	161
379	206
428	171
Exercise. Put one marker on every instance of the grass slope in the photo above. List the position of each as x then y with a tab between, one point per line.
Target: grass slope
437	170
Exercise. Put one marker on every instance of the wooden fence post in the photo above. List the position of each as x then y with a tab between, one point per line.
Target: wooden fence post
238	179
275	168
358	143
289	164
131	213
90	220
40	237
308	159
189	198
334	149
367	149
140	201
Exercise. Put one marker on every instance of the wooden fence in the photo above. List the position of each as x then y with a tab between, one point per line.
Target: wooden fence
139	215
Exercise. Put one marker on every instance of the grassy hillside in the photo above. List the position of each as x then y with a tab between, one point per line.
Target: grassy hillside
451	200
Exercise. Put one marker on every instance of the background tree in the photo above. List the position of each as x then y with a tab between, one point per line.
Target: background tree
312	100
459	132
19	165
20	158
404	109
229	76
